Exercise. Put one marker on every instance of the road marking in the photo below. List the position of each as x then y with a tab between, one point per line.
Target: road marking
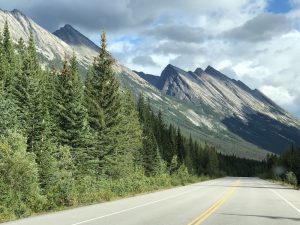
135	207
216	205
287	201
283	198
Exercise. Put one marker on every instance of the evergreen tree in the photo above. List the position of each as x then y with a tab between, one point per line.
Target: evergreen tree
21	47
7	45
103	102
213	163
151	158
8	60
180	146
9	119
29	93
130	142
71	117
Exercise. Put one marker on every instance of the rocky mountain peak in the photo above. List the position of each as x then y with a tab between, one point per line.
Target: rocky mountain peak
199	71
73	37
215	73
16	11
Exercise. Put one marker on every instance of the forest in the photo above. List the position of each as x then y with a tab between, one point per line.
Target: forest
66	142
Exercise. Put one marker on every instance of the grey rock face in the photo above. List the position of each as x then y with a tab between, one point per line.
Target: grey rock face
73	37
247	113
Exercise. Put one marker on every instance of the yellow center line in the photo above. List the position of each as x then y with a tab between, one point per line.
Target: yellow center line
216	205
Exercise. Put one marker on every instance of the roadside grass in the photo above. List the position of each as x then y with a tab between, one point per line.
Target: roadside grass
89	191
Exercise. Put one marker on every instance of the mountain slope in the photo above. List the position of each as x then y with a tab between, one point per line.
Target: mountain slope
79	42
49	47
149	78
243	111
73	37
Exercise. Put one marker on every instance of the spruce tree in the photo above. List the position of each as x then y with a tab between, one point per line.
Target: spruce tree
151	158
71	117
9	119
29	94
8	60
130	142
103	102
180	146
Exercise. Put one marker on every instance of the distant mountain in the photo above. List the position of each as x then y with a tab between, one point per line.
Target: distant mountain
206	104
77	41
247	113
73	37
49	47
152	79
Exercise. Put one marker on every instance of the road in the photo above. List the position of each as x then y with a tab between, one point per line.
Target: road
224	201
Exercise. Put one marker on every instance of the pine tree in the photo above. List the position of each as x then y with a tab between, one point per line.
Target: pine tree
9	119
21	47
8	60
180	146
130	142
71	117
7	45
151	158
29	93
103	102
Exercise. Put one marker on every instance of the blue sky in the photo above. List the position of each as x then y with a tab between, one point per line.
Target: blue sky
279	6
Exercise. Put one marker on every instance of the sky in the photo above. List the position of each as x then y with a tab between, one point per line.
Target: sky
255	41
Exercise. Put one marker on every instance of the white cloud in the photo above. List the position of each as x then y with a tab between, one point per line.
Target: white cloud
279	95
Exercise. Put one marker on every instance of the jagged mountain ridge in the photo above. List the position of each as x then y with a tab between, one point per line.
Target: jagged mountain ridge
245	112
218	91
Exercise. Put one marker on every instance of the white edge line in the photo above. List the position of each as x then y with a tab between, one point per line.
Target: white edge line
135	207
287	201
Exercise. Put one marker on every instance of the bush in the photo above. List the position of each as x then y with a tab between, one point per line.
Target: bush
291	178
19	179
56	175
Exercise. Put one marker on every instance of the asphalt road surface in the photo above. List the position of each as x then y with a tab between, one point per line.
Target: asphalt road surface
224	201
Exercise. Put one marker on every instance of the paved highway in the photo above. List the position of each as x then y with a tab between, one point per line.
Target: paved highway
224	201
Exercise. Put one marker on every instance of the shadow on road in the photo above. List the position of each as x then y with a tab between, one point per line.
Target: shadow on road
242	186
262	216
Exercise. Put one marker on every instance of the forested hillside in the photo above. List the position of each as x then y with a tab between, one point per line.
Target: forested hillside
65	142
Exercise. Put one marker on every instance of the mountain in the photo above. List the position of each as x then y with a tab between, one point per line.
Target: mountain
49	47
78	41
73	37
152	79
176	93
245	112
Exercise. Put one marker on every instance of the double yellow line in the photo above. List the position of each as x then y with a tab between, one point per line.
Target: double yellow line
216	205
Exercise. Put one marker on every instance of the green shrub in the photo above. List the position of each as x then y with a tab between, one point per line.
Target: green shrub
291	178
19	186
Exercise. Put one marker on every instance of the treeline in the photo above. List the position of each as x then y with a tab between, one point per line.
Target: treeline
285	167
65	142
169	148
